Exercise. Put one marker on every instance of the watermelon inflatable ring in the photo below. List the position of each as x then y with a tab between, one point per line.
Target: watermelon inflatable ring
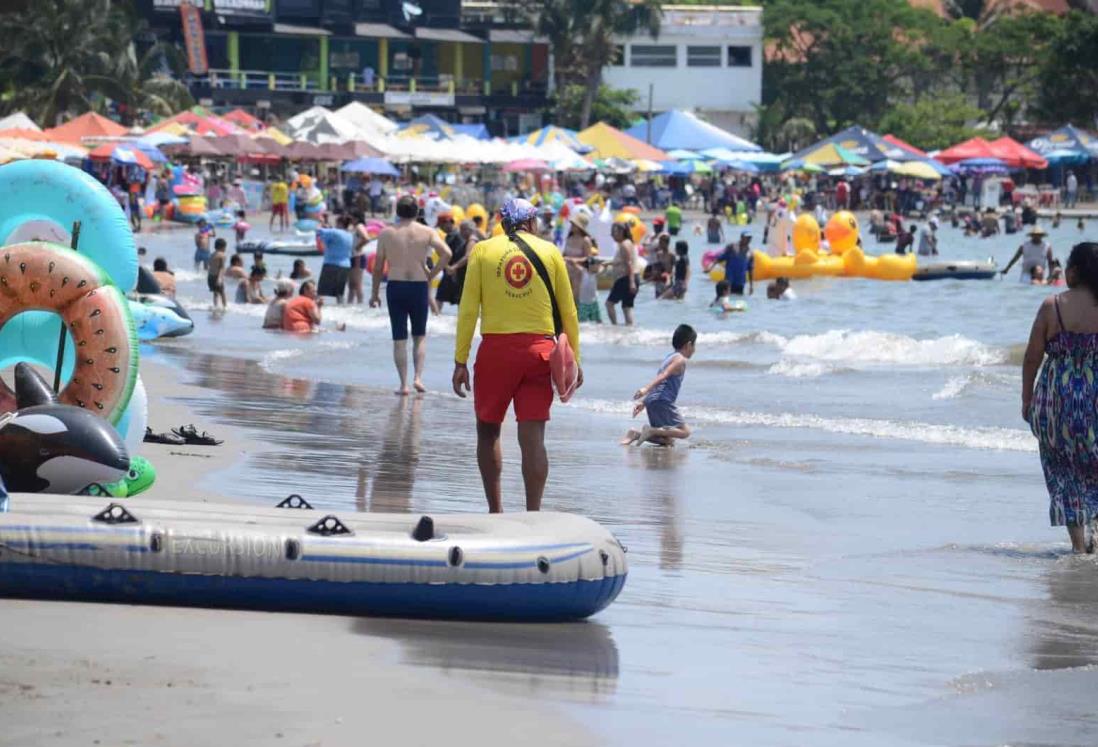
102	358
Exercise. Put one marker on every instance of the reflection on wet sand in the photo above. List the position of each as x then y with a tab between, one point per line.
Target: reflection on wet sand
393	467
573	659
664	485
1066	624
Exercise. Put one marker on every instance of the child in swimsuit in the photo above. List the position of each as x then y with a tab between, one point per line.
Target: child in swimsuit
665	423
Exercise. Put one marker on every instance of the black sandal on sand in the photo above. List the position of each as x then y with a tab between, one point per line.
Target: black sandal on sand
190	435
163	438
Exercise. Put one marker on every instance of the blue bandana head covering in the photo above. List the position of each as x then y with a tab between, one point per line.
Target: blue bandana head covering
516	211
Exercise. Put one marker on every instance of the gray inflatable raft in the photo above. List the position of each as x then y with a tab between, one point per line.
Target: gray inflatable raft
520	566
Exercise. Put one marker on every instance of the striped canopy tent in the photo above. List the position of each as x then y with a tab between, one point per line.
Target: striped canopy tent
202	122
975	147
88	126
553	134
428	125
831	154
243	119
1067	138
610	142
685	130
867	145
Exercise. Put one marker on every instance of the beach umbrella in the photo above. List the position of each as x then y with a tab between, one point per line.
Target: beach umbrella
904	145
866	145
122	153
799	164
681	154
833	154
846	171
745	167
304	151
158	139
371	165
918	170
696	166
645	166
526	164
1067	137
151	151
1066	157
980	166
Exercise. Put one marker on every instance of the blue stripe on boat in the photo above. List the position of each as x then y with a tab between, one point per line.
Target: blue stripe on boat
39	545
518	602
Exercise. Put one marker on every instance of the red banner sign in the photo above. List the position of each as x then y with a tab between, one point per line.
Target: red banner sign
194	39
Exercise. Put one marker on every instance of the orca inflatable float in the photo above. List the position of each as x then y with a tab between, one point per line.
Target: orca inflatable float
49	447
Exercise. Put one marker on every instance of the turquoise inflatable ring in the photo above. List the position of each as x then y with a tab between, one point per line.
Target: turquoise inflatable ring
41	199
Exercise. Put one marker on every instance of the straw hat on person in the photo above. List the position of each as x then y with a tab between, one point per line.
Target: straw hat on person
580	221
1037	231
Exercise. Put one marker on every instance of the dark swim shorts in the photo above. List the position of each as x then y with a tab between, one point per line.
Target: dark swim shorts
620	292
663	414
407	300
333	281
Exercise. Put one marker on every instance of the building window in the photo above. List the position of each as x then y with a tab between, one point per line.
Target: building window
652	55
617	59
739	57
703	56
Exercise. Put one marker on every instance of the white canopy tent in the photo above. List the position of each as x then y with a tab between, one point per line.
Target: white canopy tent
368	122
320	126
18	121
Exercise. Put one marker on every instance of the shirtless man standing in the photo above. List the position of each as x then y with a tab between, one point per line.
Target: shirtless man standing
405	247
624	290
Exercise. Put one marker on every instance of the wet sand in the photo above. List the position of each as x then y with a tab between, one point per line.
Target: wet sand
85	674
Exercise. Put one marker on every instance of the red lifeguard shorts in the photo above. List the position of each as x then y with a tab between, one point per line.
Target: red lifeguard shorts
280	208
513	367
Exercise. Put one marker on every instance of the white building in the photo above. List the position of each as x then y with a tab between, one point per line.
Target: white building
707	58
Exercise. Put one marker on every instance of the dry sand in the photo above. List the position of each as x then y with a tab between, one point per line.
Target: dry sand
92	674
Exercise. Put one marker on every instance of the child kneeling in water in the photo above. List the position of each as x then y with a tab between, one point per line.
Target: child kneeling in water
664	421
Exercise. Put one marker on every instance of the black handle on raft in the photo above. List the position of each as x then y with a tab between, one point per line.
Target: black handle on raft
61	340
295	501
329	526
425	529
115	513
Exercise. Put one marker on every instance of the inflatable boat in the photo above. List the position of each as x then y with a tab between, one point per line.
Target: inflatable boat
301	248
520	566
957	270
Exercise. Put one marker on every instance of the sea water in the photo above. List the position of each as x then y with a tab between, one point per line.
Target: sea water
852	549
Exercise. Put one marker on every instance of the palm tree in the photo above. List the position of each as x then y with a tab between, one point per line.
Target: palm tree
582	36
146	82
50	49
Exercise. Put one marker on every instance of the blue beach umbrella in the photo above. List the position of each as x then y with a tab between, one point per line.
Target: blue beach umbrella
377	166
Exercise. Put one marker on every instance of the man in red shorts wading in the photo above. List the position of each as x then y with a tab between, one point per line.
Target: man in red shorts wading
504	290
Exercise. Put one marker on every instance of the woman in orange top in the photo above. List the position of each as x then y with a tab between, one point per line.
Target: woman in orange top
302	313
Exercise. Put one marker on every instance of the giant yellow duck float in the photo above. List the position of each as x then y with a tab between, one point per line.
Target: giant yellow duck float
845	258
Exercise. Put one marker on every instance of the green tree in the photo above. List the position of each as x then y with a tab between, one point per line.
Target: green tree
841	62
582	35
70	56
932	123
1068	85
614	106
52	47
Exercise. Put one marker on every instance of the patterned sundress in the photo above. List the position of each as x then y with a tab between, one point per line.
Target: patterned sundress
1064	418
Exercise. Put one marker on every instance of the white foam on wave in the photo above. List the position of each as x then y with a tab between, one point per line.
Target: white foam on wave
953	388
800	369
273	358
874	347
995	439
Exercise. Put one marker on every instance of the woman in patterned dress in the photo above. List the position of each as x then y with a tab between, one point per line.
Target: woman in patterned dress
1062	409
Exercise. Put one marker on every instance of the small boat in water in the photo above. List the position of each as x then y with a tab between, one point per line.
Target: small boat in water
956	270
521	566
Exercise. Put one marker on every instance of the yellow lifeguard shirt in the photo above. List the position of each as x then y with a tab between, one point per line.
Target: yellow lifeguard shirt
504	290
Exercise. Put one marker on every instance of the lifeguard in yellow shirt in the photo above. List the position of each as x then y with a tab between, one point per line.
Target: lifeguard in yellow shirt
503	290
